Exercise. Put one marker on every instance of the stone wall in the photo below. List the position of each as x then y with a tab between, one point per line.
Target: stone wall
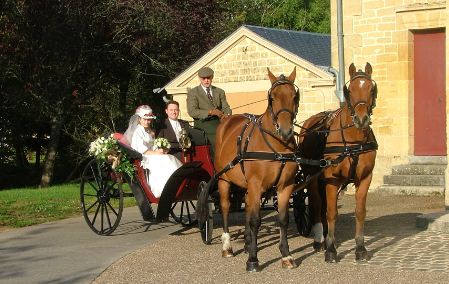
242	72
380	32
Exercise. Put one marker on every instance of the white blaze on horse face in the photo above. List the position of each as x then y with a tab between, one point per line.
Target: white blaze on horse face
361	83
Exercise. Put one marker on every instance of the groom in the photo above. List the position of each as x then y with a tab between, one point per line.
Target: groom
171	129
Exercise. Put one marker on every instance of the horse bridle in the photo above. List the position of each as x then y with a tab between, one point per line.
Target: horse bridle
347	94
274	116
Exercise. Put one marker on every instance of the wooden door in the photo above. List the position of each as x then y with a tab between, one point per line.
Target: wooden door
430	94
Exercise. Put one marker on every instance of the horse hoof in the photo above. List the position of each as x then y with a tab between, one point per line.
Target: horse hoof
288	263
330	256
252	266
318	246
361	254
227	253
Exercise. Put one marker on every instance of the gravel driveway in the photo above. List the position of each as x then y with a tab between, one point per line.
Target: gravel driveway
400	252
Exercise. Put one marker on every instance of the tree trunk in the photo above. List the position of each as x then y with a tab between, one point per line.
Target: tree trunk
21	159
40	138
50	158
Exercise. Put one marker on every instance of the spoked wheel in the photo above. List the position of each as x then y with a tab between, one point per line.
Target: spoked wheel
101	198
184	212
303	213
207	227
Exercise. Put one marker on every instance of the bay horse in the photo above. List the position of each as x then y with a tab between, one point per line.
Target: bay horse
257	153
345	141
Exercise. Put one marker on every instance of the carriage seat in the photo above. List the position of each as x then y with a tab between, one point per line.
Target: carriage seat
132	154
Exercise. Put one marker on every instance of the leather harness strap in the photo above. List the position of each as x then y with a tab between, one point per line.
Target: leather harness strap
243	155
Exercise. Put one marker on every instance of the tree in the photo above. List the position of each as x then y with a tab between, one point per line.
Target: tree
83	66
301	15
78	68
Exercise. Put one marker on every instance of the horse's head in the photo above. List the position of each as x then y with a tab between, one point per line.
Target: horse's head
361	95
283	100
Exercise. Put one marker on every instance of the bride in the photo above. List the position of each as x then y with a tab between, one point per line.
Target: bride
160	164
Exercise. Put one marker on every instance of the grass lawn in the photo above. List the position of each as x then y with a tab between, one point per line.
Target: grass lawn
28	206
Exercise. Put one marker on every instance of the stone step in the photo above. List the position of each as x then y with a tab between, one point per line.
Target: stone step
424	169
437	222
435	160
411	190
414	180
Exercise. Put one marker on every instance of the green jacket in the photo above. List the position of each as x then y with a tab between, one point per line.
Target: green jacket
198	104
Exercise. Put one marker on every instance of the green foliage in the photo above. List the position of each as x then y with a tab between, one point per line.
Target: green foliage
88	64
301	15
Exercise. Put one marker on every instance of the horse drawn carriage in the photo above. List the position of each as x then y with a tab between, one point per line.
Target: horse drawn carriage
102	189
263	155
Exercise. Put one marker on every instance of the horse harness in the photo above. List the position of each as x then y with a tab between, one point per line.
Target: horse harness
243	154
348	149
254	122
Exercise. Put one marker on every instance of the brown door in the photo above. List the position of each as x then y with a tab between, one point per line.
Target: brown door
429	97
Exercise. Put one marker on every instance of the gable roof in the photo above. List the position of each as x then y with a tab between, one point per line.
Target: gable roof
273	39
313	47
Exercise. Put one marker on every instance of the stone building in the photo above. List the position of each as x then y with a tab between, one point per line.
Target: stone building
406	43
240	63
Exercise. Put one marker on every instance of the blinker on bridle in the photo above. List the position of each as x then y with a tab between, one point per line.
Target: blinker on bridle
347	94
274	116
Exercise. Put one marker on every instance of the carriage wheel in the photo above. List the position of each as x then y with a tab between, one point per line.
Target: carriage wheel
101	198
302	213
207	227
184	212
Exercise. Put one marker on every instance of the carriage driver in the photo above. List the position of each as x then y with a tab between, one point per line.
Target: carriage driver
207	104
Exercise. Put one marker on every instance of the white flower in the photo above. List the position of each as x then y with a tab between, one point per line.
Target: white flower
101	146
161	143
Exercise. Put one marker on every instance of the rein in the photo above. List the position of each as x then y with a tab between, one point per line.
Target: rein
318	127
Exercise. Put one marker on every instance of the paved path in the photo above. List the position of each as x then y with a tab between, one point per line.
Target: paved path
400	253
68	251
140	252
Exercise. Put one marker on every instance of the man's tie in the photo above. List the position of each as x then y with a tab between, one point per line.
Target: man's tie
209	95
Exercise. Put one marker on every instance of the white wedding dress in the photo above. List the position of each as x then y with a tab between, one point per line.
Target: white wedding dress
160	166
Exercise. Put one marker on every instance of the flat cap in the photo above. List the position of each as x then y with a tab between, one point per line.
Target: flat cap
205	72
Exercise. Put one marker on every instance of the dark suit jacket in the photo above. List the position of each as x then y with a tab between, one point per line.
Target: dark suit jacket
168	133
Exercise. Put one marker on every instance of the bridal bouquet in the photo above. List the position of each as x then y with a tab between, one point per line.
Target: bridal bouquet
107	150
161	143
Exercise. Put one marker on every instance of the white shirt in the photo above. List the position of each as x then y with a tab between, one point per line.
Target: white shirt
176	127
205	90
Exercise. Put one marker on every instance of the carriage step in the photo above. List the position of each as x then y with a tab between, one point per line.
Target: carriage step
414	180
411	190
